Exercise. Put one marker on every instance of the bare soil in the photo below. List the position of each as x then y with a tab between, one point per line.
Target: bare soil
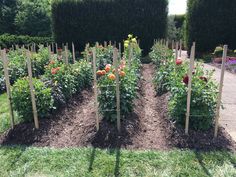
148	127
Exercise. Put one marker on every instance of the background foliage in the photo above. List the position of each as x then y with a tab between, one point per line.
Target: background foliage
99	20
211	23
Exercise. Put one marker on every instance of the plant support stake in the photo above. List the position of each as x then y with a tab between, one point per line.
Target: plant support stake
32	91
220	90
191	65
115	56
7	80
95	88
73	52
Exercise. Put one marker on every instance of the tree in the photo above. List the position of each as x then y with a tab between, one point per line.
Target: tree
7	16
33	17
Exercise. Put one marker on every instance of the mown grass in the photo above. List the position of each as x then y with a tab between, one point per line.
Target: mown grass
29	161
5	114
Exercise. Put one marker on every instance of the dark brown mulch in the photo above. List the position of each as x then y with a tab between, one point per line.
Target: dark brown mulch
197	140
148	127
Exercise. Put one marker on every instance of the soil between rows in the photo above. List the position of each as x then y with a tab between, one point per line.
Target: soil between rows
148	127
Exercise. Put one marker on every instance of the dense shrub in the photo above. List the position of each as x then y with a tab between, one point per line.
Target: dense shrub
128	85
171	76
33	17
211	23
99	20
22	99
7	40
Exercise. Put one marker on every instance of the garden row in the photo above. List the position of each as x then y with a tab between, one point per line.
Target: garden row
56	80
173	76
18	66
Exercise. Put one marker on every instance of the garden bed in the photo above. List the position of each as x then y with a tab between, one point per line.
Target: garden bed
148	127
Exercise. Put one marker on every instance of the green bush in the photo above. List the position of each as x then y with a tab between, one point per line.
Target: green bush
103	20
7	40
211	23
22	99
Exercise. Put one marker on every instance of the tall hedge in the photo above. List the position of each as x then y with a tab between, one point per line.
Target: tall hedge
83	21
210	23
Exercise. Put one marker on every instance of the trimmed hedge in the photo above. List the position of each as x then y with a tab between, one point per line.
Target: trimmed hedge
211	23
99	20
7	40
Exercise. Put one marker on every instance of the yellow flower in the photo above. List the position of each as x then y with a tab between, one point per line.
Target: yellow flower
235	51
134	40
130	36
126	45
55	83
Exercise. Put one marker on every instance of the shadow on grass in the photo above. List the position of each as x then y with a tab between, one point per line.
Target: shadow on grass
117	152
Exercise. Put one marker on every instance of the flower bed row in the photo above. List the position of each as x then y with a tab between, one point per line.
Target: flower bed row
128	81
172	76
18	66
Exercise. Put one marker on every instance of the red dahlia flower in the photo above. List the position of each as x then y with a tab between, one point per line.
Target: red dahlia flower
185	79
178	62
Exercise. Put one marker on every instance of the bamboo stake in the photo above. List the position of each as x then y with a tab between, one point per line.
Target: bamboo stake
220	90
167	43
53	48
8	86
130	55
176	50
87	54
115	55
32	91
172	45
105	44
180	48
73	52
120	51
56	48
95	87
66	57
191	65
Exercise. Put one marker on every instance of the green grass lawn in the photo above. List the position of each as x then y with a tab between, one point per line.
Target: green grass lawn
5	114
29	161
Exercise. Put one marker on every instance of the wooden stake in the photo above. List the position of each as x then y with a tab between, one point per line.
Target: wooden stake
120	51
95	87
220	90
105	44
176	50
130	55
115	55
32	91
53	47
172	45
73	52
8	86
56	48
191	65
180	48
167	43
66	57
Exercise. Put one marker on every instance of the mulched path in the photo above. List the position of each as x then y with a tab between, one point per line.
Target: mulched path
148	127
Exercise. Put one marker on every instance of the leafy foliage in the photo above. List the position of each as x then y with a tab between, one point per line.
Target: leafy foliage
22	99
128	78
7	40
211	23
172	76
